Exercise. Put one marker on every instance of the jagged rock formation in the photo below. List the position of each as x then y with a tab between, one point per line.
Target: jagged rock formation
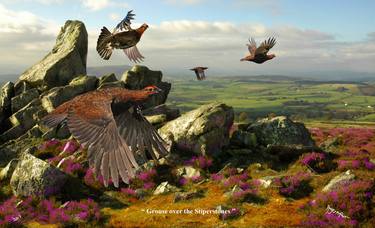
203	131
6	94
66	60
139	77
281	131
58	95
35	177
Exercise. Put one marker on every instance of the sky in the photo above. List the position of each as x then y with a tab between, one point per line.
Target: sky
320	36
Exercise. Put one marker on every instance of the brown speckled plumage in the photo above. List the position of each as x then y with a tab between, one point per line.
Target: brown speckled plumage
111	137
259	54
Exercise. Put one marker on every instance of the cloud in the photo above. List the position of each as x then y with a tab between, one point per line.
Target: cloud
184	43
114	16
184	2
95	5
24	37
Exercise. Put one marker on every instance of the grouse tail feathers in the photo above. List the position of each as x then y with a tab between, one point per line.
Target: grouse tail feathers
103	45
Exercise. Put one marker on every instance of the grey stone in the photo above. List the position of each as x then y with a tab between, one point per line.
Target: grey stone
21	100
163	109
6	94
35	177
243	139
188	172
139	77
338	181
281	131
7	171
184	196
120	84
66	60
164	188
203	131
21	87
58	95
107	78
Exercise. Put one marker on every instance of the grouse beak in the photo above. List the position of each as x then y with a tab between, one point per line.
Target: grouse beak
159	90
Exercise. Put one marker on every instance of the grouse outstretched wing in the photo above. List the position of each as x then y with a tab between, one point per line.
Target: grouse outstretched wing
94	126
134	54
140	135
125	23
252	46
265	46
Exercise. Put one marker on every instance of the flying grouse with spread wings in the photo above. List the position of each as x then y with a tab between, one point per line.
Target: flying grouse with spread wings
110	124
199	72
123	37
259	54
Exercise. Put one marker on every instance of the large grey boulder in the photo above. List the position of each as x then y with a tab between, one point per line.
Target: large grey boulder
139	77
35	177
28	115
23	120
21	87
107	79
66	60
281	131
6	94
21	100
59	95
203	131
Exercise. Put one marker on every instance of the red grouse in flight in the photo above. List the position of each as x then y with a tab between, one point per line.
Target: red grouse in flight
123	37
259	55
199	72
109	123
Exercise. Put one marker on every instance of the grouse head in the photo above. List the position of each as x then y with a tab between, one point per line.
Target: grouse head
142	29
150	90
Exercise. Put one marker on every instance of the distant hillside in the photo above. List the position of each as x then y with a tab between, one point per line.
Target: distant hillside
98	71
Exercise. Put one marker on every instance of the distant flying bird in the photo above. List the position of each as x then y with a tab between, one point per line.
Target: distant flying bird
259	55
110	124
199	72
123	37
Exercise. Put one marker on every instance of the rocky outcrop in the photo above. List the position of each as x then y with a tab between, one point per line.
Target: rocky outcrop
59	95
35	177
23	120
139	77
6	94
107	79
281	131
203	131
8	170
66	60
21	100
243	139
21	87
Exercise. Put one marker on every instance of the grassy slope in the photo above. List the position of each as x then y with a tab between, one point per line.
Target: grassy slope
259	98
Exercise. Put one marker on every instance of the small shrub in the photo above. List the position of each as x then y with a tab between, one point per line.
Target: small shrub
295	186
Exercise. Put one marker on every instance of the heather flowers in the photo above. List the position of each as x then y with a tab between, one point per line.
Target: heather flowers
200	162
46	211
318	162
50	145
294	186
346	206
144	179
356	160
69	166
94	181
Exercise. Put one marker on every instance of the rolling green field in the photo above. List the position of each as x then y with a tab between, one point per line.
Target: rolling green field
257	96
